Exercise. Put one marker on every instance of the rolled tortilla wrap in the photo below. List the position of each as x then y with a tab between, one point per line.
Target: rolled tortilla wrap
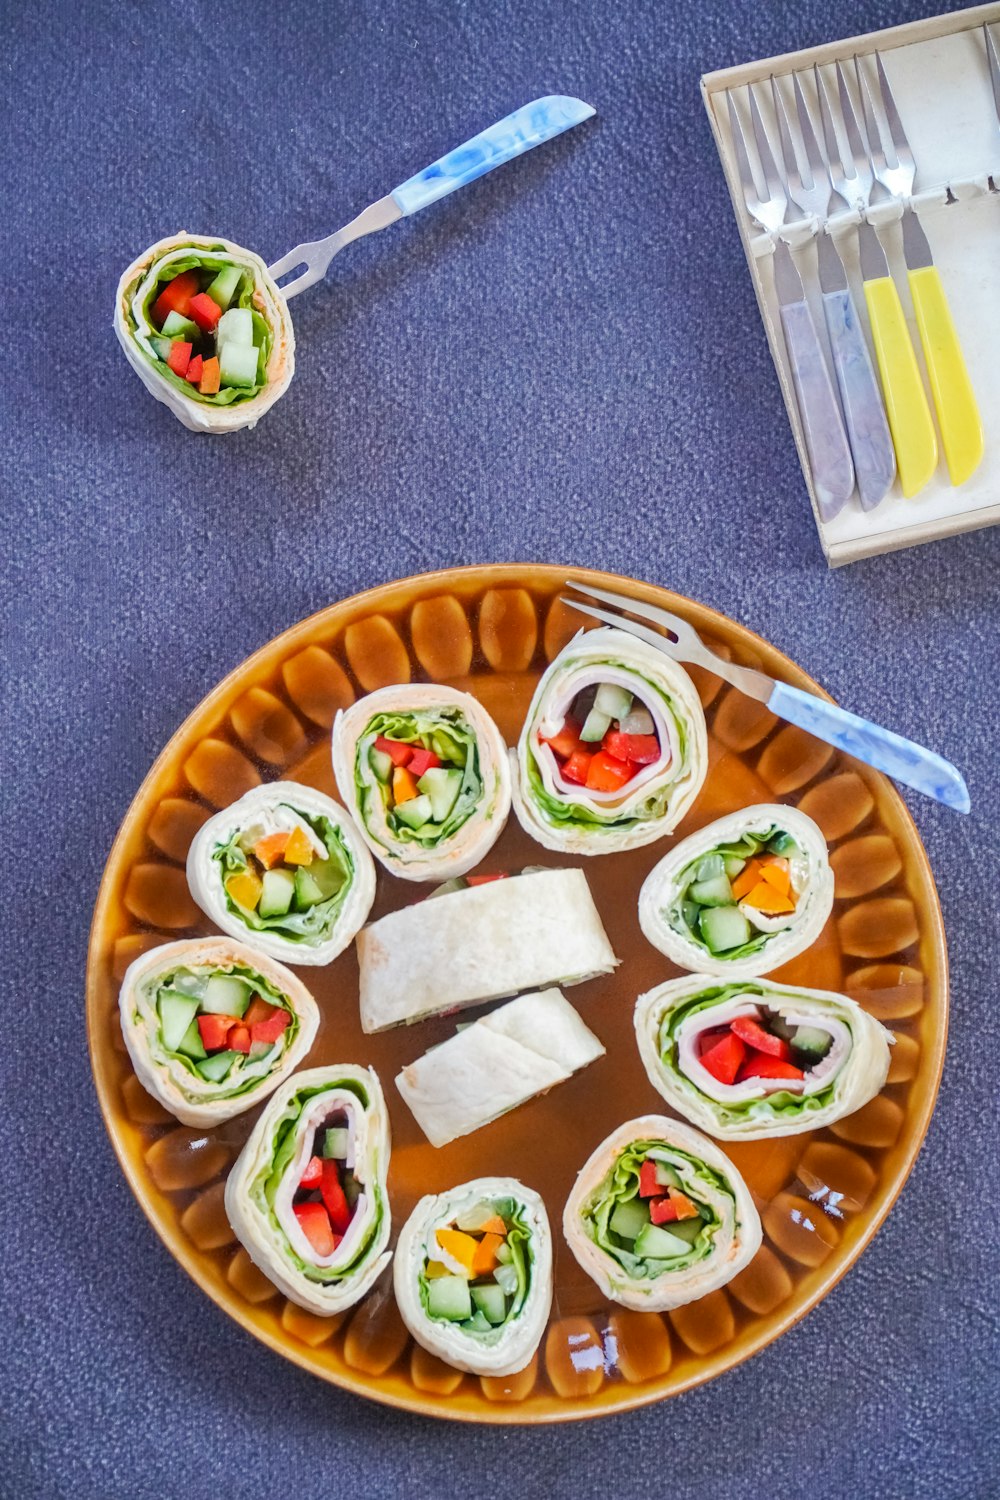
481	943
303	900
480	1310
324	1241
239	282
825	1056
708	1227
447	816
742	895
257	1024
606	814
500	1061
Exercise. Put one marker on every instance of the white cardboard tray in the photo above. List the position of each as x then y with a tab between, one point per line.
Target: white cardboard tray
940	79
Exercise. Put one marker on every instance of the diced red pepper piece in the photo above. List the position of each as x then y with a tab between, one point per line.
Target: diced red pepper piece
565	740
205	312
747	1029
724	1058
193	371
179	357
663	1211
315	1222
606	774
640	749
397	752
239	1038
485	879
648	1185
759	1065
271	1029
176	296
313	1174
211	376
333	1196
258	1010
577	766
213	1030
421	761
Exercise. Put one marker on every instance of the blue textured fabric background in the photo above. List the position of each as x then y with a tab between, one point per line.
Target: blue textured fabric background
562	362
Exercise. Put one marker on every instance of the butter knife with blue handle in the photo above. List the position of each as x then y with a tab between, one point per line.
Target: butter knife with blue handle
527	127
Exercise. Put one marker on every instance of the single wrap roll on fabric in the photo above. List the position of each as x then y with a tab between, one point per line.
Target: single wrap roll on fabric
788	1059
741	896
250	291
483	943
575	816
500	1061
658	1216
452	762
307	1197
473	1275
285	870
242	997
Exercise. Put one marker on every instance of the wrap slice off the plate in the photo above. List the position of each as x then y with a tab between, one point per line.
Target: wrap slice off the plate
307	1197
658	1216
213	1027
473	1275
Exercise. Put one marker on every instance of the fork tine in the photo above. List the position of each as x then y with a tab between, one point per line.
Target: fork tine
814	155
767	166
994	62
652	612
852	125
876	143
833	153
793	177
742	159
898	135
632	627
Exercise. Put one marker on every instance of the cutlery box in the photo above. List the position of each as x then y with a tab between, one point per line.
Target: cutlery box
939	74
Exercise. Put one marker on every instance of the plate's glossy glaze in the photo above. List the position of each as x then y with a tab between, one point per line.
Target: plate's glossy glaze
491	630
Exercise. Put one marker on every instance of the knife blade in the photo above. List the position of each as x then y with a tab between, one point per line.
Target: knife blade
826	441
954	398
909	414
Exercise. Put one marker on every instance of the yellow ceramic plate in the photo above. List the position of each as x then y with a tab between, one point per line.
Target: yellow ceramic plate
821	1196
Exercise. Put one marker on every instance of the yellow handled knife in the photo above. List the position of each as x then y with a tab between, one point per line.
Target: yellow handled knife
910	420
954	399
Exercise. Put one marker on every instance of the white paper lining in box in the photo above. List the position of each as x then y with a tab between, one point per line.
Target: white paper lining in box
939	76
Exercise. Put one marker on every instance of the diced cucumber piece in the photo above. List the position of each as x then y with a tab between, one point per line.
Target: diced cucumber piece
781	843
717	892
724	927
381	764
475	1217
162	347
595	726
260	1049
638	720
448	749
223	289
478	1323
491	1302
629	1218
780	1027
177	1013
614	701
335	1142
448	1297
506	1278
504	1254
443	787
659	1243
711	867
236	327
307	889
733	866
665	1176
277	893
176	326
687	1229
216	1067
352	1188
416	812
457	883
225	995
690	912
191	1043
812	1040
328	875
237	363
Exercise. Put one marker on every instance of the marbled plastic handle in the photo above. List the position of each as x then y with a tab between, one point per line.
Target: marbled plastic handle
826	440
888	752
867	425
527	127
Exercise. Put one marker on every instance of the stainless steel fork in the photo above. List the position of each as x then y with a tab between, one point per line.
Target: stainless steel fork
908	762
826	440
861	399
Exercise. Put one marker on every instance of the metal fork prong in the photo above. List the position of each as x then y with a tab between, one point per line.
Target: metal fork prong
852	125
679	629
795	186
662	643
774	189
834	156
904	155
750	194
814	155
994	62
873	130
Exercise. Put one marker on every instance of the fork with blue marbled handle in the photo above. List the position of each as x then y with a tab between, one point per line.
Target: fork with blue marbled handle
902	759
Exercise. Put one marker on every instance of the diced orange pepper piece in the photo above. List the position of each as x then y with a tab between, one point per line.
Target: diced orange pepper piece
211	377
270	849
434	1269
495	1225
775	871
244	888
404	788
485	1258
461	1247
746	879
765	898
299	849
683	1204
